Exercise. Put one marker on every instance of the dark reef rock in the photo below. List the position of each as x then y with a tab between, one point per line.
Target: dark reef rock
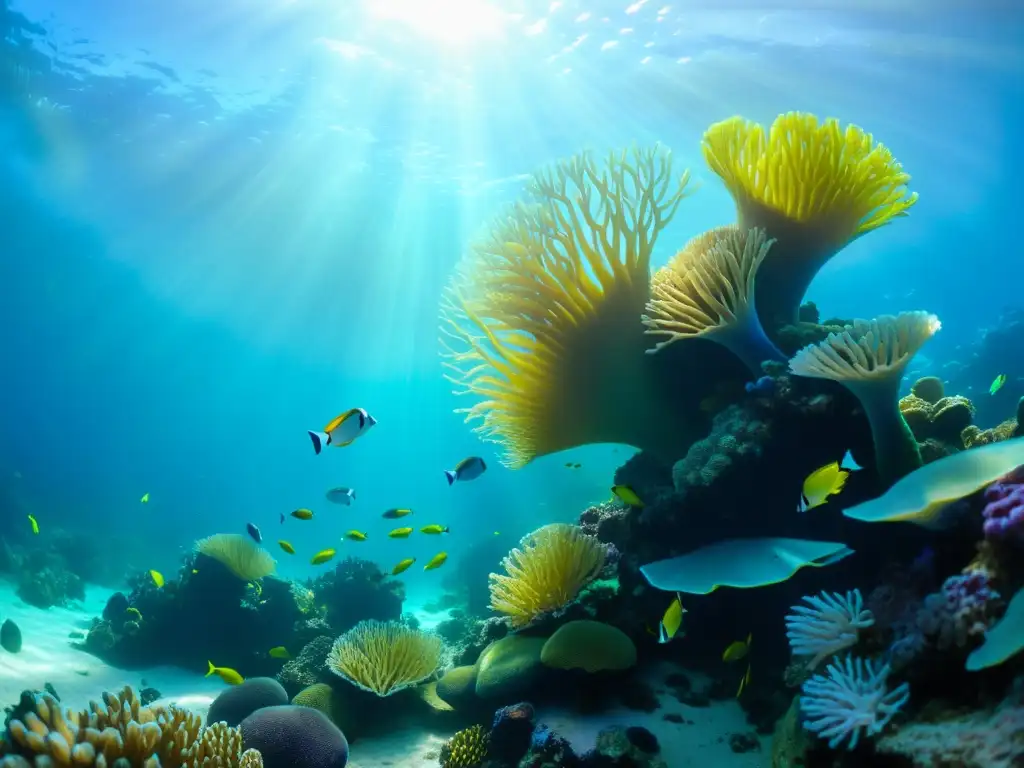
357	590
308	668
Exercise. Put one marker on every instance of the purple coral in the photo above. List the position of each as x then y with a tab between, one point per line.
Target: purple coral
1004	510
960	611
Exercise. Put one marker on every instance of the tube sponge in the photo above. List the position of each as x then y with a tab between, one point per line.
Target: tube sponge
708	290
384	657
813	185
541	323
869	358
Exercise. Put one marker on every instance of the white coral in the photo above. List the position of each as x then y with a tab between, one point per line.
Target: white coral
829	623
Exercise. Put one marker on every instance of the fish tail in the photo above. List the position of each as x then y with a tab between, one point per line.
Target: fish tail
848	463
320	440
212	669
452	476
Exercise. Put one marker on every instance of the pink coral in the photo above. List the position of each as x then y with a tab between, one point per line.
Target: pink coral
1004	510
962	610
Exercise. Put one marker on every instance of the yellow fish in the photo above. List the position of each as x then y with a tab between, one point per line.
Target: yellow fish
738	650
322	557
394	514
997	384
303	514
34	524
824	482
356	535
402	565
227	674
157	577
672	621
286	546
279	652
627	495
434	529
134	614
194	571
144	499
436	561
400	533
744	682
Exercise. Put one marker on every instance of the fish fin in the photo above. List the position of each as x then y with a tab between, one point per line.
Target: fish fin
663	634
750	639
212	669
452	476
743	684
849	464
320	439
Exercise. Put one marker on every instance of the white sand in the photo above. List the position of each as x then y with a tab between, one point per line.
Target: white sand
47	656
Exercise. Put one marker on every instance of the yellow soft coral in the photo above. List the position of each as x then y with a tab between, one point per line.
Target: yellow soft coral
238	554
122	732
541	325
813	186
546	572
384	657
466	749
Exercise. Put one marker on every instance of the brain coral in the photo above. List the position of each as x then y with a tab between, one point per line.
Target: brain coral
236	703
592	646
295	737
509	667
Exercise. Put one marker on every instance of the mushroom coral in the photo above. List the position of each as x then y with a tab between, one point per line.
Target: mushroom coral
812	186
869	358
541	324
707	290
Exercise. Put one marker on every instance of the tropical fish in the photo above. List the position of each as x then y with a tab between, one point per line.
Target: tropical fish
228	675
434	529
497	533
254	532
343	430
343	496
826	481
436	561
402	565
355	535
157	577
144	499
286	546
303	514
400	533
572	465
672	621
279	652
997	383
394	514
256	587
322	557
35	525
627	495
282	518
744	682
134	614
466	470
737	650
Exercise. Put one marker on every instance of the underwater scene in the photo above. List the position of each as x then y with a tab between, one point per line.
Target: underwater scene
511	384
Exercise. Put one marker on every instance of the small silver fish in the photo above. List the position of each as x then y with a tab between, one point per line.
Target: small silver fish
343	496
254	532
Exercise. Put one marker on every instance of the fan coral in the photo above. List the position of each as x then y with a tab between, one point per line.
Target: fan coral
707	290
238	554
812	186
826	625
546	572
1004	510
869	358
384	657
466	749
849	700
541	323
961	611
124	733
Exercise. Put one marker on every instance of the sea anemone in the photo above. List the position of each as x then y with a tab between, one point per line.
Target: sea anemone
813	186
708	290
541	324
869	358
384	657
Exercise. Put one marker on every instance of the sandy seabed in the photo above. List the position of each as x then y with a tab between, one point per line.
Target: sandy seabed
48	656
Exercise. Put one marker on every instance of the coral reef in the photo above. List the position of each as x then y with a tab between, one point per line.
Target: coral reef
592	646
234	704
294	737
829	623
239	554
357	590
466	749
385	657
309	667
1004	511
961	611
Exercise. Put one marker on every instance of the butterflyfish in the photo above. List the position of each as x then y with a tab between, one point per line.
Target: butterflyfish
672	621
737	650
466	470
342	496
286	546
157	577
436	561
997	383
144	499
279	652
825	481
34	523
403	565
343	430
627	495
400	533
434	529
228	675
322	556
354	535
303	514
394	514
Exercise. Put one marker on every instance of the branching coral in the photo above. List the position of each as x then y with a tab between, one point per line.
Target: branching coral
546	572
829	623
466	749
850	700
541	323
813	186
121	732
707	290
238	554
869	358
384	657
